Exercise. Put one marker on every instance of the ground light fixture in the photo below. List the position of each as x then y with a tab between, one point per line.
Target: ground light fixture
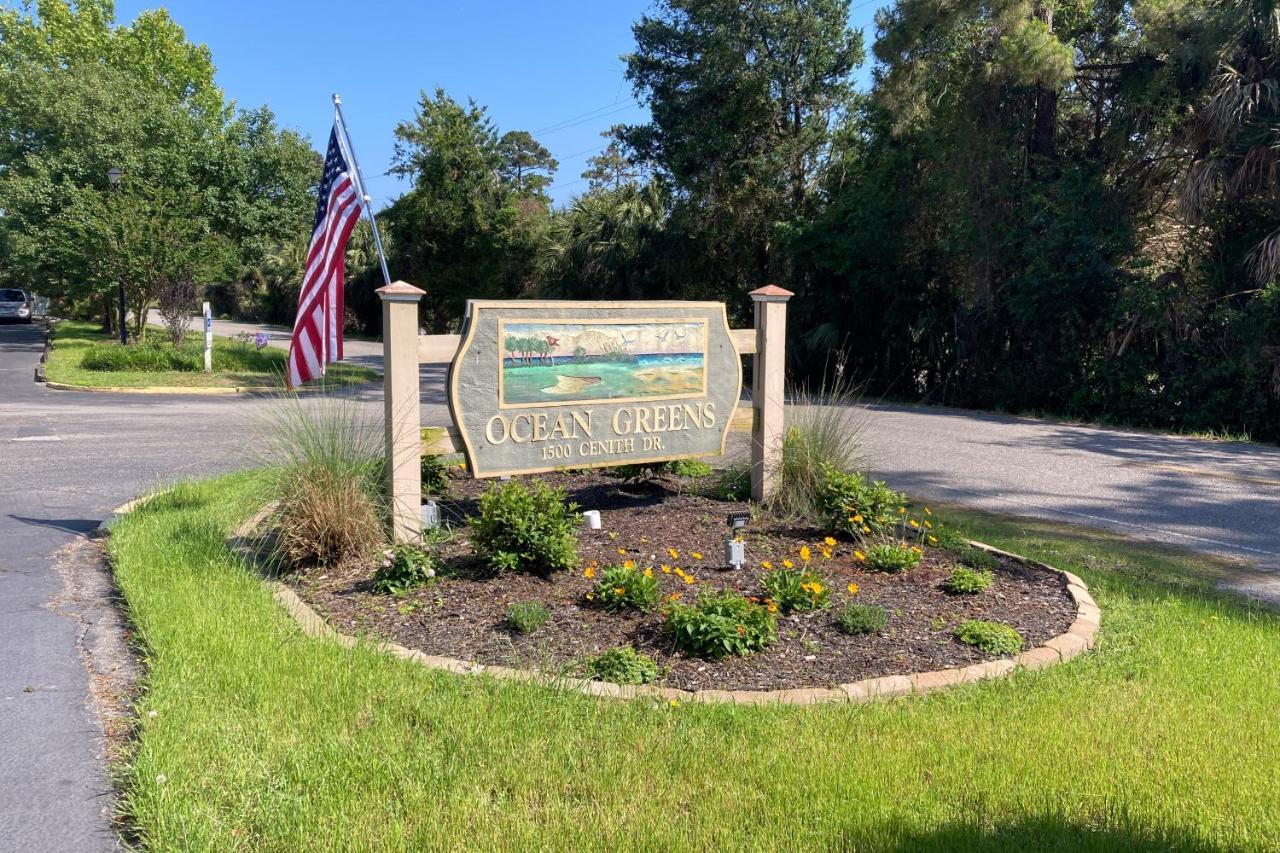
430	515
735	550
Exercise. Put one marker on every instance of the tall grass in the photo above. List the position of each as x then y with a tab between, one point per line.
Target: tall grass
823	427
329	481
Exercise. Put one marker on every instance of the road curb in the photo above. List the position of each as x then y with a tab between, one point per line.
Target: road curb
162	390
1079	638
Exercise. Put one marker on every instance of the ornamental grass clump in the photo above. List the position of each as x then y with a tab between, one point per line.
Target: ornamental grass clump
625	586
328	482
892	557
523	529
719	624
623	665
991	637
525	617
798	589
824	429
966	581
857	619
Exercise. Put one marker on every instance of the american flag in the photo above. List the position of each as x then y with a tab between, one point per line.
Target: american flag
317	331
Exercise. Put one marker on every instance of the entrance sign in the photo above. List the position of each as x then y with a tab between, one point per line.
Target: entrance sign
537	386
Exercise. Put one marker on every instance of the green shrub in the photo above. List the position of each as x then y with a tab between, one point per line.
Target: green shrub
719	624
851	504
623	665
967	581
626	586
525	617
403	567
676	468
976	558
434	480
142	357
732	484
526	529
991	637
892	557
862	619
798	589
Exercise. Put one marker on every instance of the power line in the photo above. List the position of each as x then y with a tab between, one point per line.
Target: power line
589	113
564	126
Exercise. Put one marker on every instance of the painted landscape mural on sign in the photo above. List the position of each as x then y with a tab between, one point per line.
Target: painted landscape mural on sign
564	362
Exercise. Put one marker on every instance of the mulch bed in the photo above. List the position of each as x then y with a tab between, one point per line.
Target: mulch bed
461	615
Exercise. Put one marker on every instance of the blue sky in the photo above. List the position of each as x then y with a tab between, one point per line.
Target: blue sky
552	68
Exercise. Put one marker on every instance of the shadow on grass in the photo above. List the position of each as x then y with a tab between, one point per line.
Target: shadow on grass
1041	833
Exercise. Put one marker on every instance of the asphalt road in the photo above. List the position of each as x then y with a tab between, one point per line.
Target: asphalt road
68	458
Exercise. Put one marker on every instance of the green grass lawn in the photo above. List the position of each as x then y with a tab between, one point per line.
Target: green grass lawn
251	736
235	364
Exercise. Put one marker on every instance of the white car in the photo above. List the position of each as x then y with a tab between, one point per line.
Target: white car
15	305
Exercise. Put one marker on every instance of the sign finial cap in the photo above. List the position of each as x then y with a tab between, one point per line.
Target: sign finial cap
771	293
400	290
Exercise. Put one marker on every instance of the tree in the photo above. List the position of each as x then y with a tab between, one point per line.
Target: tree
743	97
527	164
462	230
611	168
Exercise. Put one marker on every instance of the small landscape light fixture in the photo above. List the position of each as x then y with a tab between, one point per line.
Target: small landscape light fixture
735	550
591	519
430	515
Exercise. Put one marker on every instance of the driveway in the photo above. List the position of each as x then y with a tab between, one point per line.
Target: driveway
68	458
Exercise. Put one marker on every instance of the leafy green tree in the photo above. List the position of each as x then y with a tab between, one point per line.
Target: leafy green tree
527	164
612	167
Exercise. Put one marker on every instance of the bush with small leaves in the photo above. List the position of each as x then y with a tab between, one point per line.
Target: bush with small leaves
991	637
623	665
851	504
626	586
965	581
525	617
691	468
719	624
434	480
403	568
526	529
797	589
892	557
862	619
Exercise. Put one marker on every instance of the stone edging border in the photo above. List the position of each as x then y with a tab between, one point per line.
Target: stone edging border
1078	639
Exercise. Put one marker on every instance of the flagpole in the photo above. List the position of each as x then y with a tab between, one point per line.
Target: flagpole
364	196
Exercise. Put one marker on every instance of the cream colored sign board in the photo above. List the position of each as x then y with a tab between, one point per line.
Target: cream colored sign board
539	386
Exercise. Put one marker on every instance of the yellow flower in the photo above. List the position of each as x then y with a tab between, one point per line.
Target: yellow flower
859	555
619	590
766	564
915	524
773	608
589	572
853	588
826	553
628	564
817	588
622	551
916	548
675	555
866	529
666	570
591	596
902	510
927	524
933	540
829	542
857	519
805	553
688	579
926	511
648	572
696	555
787	564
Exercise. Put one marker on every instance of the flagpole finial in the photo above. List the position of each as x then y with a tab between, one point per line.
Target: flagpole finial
336	99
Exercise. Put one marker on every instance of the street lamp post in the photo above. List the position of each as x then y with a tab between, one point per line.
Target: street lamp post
116	176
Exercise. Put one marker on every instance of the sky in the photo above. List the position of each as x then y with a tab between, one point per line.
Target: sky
552	68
